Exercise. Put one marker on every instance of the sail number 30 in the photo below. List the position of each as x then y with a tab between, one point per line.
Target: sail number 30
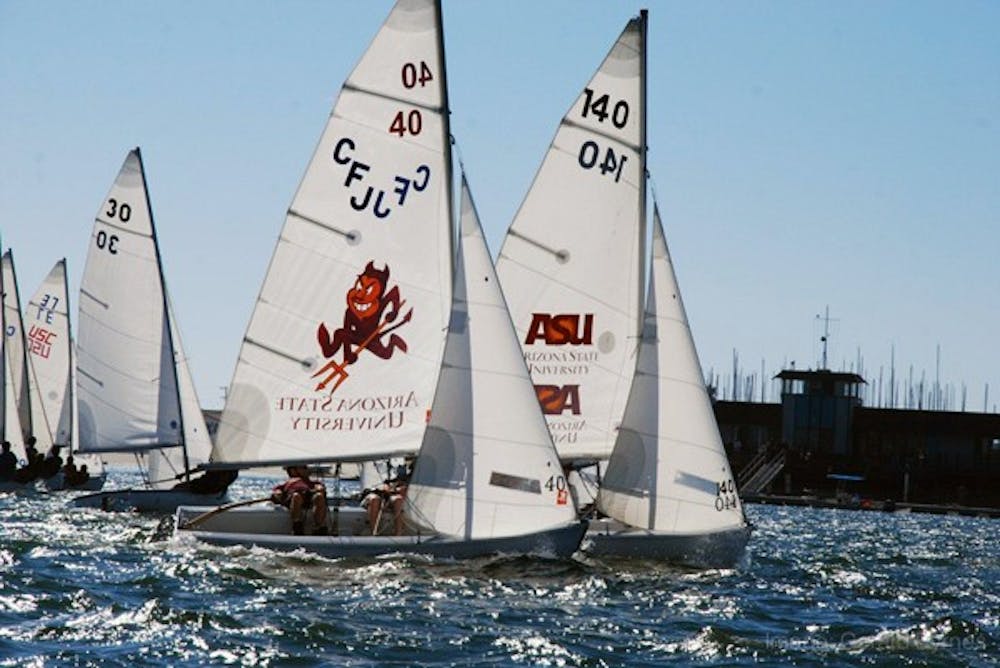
116	210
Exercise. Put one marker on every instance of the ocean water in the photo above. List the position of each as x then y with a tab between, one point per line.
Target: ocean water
81	587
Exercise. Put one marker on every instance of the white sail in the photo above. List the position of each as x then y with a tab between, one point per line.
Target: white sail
167	466
668	471
16	351
487	467
10	424
46	321
127	384
369	229
570	264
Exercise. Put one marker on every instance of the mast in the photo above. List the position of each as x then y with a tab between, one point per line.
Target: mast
446	130
166	317
3	361
641	292
70	385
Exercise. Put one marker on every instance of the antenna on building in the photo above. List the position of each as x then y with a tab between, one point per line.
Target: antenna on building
826	334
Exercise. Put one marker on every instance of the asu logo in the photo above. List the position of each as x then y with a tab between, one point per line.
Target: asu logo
556	400
562	329
371	307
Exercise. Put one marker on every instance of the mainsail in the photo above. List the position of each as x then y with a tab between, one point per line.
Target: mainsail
10	422
46	321
127	381
17	355
668	471
571	262
486	427
369	229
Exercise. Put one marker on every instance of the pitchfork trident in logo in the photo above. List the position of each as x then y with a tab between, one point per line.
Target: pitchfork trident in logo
338	370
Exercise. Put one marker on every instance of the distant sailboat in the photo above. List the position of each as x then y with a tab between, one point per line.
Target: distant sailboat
574	262
17	356
10	420
134	389
375	199
50	360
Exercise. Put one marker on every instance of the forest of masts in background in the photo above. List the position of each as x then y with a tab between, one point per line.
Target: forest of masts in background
887	389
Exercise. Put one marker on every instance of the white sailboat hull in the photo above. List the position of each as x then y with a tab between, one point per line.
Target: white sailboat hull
164	501
271	528
607	537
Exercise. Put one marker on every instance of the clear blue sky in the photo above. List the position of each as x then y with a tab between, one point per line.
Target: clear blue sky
804	154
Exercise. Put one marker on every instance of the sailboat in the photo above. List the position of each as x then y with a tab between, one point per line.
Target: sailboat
668	492
376	198
10	419
17	356
134	389
50	364
605	381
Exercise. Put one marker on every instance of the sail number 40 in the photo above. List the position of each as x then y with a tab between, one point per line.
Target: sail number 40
725	498
411	122
557	483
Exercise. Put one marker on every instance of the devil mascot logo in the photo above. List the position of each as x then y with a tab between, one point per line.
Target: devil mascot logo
371	308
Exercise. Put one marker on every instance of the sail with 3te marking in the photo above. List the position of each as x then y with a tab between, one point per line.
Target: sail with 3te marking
571	262
50	361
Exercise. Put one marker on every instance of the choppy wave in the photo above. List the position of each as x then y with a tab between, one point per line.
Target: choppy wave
818	587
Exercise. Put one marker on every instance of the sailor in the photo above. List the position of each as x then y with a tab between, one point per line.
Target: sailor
8	463
300	493
391	493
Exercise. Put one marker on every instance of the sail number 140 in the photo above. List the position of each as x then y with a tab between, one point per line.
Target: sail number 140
725	498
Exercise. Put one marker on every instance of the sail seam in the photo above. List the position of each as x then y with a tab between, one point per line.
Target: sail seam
600	133
121	228
385	96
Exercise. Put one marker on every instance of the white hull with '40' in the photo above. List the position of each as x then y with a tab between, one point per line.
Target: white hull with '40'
577	303
135	391
429	364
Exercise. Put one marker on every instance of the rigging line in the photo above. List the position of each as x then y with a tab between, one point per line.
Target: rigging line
350	236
